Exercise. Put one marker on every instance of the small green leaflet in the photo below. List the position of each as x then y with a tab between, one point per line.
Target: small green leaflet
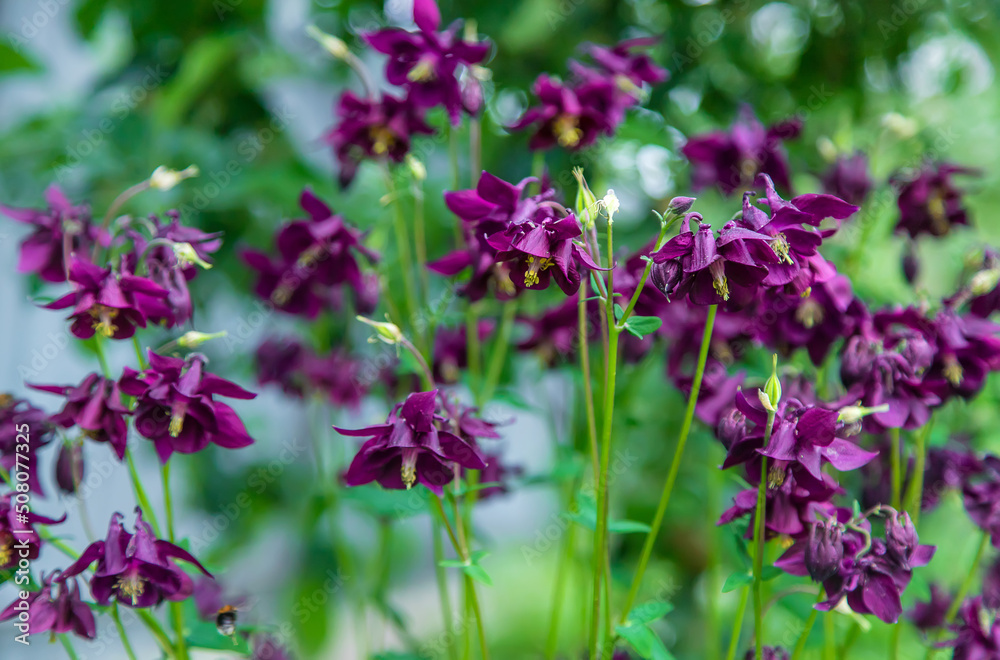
735	581
646	613
645	642
471	567
586	516
640	326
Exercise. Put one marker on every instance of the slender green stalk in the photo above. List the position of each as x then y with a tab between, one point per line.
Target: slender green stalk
402	247
157	630
122	635
668	486
475	147
473	347
830	638
499	352
420	241
969	579
583	348
148	513
537	170
176	612
758	557
167	502
68	645
894	641
138	353
741	610
801	644
913	497
456	177
442	583
894	463
566	558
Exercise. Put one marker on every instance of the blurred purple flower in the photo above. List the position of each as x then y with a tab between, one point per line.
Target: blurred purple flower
572	116
65	612
849	179
96	407
929	201
18	538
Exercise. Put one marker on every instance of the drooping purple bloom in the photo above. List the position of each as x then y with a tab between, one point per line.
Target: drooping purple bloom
732	160
968	350
61	230
451	350
981	495
554	332
18	538
279	360
109	303
373	129
543	248
415	445
137	570
790	507
929	201
931	615
62	613
426	62
624	64
95	405
871	573
571	116
337	375
315	256
18	416
69	467
849	179
824	550
978	633
176	406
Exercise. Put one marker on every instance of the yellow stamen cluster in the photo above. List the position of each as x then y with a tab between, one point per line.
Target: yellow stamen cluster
131	586
177	420
103	317
809	313
535	265
409	469
6	552
719	281
566	128
780	246
953	372
775	477
422	72
936	209
382	139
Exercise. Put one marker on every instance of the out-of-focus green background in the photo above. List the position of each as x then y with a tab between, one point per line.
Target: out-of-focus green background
95	94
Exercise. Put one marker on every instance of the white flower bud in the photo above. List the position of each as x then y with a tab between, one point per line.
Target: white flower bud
164	178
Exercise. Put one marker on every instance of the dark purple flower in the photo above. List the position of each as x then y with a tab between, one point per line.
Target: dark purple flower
824	550
849	179
542	248
790	507
137	570
624	64
315	256
415	445
65	612
373	129
968	349
571	116
984	289
95	405
554	332
279	361
17	417
768	653
947	469
496	472
869	575
928	200
110	303
60	231
176	406
426	62
451	350
337	375
733	160
18	538
981	495
978	633
69	467
931	615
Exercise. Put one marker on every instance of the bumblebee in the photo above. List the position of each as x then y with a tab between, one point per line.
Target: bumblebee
225	621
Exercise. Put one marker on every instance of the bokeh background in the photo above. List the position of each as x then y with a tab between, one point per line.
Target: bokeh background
94	94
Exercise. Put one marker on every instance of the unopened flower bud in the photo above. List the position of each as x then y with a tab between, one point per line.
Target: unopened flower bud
902	127
824	550
984	281
901	538
187	255
417	168
911	264
731	428
772	388
610	204
385	331
164	178
69	467
854	414
586	202
193	338
332	44
666	276
680	205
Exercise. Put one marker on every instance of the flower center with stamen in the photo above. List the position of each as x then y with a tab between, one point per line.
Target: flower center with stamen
382	138
775	476
625	84
953	371
6	551
6	400
131	586
103	317
780	246
535	264
809	313
409	469
719	281
936	209
177	419
566	128
423	71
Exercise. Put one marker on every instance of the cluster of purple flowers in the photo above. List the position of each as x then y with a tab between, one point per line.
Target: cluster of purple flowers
297	370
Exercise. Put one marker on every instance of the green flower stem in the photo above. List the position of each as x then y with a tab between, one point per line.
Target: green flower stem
138	353
741	610
566	558
668	486
402	247
830	638
148	514
915	489
456	172
121	631
473	347
894	641
499	353
68	645
645	274
420	248
894	463
969	579
760	530
607	418
157	630
442	583
801	644
475	147
176	612
583	348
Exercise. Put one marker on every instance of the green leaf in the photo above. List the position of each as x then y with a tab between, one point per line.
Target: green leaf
478	555
649	612
640	326
452	563
735	581
618	312
11	59
645	642
770	572
628	527
477	573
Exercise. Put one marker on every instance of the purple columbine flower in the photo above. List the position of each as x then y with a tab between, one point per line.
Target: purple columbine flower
65	612
542	248
981	495
728	270
137	570
984	289
870	574
630	69
572	116
733	160
315	256
929	201
17	532
554	332
768	653
968	349
415	445
451	350
109	303
426	62
931	615
176	406
60	231
16	416
849	179
96	407
978	633
279	360
790	507
337	375
824	550
373	129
